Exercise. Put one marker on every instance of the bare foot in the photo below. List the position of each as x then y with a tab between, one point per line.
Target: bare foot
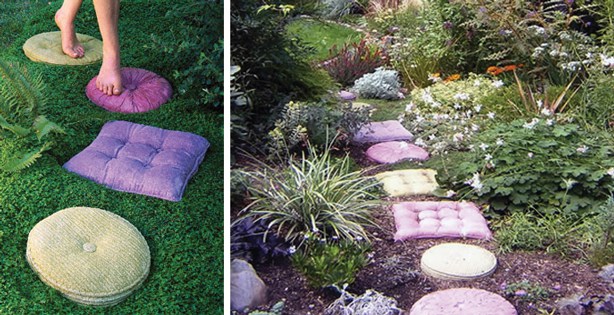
109	80
70	43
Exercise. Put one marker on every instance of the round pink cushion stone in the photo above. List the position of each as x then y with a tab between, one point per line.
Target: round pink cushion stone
462	301
396	151
143	91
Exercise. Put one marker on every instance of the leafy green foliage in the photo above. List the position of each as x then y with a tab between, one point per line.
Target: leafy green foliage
538	165
353	61
315	193
21	102
315	123
527	291
199	65
333	263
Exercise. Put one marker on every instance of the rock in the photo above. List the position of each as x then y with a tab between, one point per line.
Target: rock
347	96
247	290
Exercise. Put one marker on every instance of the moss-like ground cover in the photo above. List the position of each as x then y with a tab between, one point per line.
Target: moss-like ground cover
185	238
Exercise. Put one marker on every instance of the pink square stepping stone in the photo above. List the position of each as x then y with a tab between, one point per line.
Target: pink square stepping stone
436	219
462	301
396	151
382	131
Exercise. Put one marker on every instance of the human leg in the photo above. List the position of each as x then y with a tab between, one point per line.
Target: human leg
65	18
109	78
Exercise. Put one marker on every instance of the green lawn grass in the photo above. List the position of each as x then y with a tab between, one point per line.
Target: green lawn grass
322	35
185	238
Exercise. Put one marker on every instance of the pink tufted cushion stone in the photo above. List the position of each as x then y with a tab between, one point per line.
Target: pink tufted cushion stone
462	301
143	91
141	159
434	219
396	151
382	131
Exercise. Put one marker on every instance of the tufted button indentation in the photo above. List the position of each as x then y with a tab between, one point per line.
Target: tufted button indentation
89	247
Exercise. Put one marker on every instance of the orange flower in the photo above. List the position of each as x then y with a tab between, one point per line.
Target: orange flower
509	68
453	77
494	70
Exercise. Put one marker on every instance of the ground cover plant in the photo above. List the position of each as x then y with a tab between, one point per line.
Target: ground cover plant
185	238
511	101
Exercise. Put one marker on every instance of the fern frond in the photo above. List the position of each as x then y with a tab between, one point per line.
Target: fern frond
16	129
43	126
26	160
24	92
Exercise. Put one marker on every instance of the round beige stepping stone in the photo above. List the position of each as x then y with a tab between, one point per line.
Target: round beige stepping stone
456	261
462	301
47	48
91	256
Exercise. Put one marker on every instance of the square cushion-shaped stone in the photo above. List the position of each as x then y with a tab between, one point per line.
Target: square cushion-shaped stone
434	219
408	182
141	159
382	131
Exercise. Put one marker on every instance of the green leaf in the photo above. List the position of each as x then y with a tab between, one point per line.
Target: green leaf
43	126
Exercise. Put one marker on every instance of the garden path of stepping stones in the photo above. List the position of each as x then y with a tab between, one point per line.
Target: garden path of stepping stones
434	219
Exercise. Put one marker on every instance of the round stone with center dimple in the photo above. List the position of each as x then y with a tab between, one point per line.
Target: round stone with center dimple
92	256
456	261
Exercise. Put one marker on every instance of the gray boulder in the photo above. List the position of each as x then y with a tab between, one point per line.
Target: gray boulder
247	290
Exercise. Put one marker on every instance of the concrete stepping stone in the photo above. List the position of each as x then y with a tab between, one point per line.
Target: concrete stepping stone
396	151
456	261
435	219
462	301
382	131
92	256
47	48
408	182
143	91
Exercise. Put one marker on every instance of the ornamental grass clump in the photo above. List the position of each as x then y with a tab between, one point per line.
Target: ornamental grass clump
312	194
353	61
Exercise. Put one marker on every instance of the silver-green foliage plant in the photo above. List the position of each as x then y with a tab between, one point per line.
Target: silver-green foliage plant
24	130
381	84
370	302
312	194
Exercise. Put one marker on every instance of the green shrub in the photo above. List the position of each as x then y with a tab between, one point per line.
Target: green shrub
273	66
381	84
596	111
601	252
24	130
314	123
539	165
332	263
313	194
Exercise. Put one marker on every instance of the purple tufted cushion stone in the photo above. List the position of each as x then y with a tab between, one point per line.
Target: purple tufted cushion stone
462	301
141	159
434	219
143	91
396	151
382	131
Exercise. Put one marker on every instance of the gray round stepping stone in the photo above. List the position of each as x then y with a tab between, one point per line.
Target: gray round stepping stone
396	151
47	48
382	131
455	261
462	301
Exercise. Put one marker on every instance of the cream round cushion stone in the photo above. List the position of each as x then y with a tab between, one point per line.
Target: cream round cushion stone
47	48
92	256
456	261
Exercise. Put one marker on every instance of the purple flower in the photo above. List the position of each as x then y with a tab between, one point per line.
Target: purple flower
503	286
447	25
569	2
520	293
